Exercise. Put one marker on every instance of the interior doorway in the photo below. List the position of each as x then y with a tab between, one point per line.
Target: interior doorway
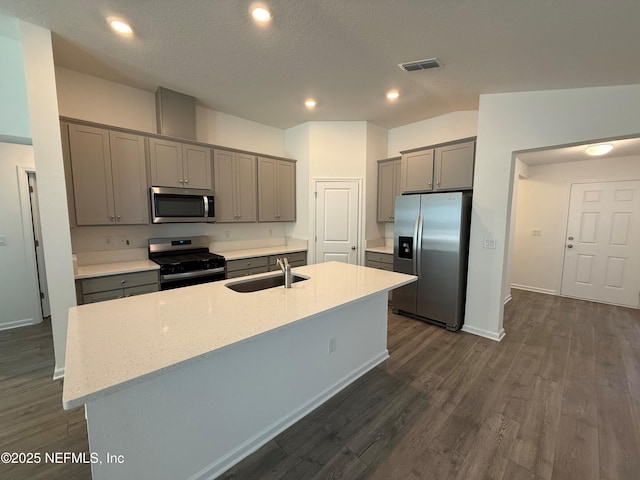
33	234
602	251
337	220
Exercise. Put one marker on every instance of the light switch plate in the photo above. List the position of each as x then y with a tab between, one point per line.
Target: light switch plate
3	240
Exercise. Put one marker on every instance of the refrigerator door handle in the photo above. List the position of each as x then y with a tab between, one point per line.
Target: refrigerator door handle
417	241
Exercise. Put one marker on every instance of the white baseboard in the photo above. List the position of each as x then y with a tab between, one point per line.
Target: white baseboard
497	336
19	323
58	373
529	288
261	438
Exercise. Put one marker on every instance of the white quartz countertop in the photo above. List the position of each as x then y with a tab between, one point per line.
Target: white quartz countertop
104	269
117	343
382	249
259	252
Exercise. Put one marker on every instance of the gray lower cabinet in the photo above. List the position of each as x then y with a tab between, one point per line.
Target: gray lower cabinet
383	261
276	190
247	266
175	164
440	168
251	266
297	259
235	186
389	172
108	175
98	289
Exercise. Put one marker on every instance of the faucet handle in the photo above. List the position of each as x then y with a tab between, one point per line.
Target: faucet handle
286	261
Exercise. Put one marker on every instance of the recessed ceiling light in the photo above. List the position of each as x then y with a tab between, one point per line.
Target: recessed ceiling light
601	149
310	103
393	95
261	13
120	26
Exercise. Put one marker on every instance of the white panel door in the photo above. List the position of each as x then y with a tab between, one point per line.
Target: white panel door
337	220
602	246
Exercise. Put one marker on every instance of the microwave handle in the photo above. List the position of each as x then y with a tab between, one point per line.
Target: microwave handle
206	206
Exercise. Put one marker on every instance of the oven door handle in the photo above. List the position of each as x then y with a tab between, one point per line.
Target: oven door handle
194	274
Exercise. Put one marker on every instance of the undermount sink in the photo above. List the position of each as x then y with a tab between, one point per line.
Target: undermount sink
262	283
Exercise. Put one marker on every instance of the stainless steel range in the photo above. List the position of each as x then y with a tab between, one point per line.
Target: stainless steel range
185	261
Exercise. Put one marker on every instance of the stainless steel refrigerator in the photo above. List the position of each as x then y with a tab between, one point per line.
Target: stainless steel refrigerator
431	240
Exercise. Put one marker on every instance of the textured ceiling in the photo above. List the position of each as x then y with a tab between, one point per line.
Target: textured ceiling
345	53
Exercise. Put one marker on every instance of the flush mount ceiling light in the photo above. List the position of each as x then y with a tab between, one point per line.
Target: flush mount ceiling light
393	95
601	149
120	26
260	13
310	103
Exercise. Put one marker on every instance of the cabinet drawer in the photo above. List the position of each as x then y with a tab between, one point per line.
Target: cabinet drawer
246	271
112	282
247	263
385	258
103	296
142	289
296	259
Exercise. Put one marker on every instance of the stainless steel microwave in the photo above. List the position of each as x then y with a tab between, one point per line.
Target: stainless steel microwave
182	205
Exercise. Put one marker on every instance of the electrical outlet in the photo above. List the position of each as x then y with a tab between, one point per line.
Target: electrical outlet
332	344
227	234
270	232
108	241
3	240
123	241
536	232
489	242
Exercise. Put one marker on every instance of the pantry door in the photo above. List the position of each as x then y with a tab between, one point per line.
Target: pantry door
337	219
602	243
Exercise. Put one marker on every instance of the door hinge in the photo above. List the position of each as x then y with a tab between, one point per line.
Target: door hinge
30	189
41	296
37	243
315	194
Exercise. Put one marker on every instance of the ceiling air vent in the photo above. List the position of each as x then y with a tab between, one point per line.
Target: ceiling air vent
420	65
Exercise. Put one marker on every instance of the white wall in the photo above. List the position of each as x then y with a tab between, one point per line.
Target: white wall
296	141
542	203
225	130
102	101
19	293
519	121
14	115
520	170
377	139
47	150
444	128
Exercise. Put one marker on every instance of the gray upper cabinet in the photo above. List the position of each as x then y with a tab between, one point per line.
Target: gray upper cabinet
175	164
417	171
447	167
276	190
235	186
453	166
389	175
108	176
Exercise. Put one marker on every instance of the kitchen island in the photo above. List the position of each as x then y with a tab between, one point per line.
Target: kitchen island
185	383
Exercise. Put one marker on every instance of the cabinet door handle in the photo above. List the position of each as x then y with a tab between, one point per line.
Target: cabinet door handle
118	217
181	180
429	183
123	282
112	218
186	181
438	184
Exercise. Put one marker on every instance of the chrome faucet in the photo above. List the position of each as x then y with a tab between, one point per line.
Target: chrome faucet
286	270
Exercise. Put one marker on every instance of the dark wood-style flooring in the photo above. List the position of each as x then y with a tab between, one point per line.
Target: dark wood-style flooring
558	398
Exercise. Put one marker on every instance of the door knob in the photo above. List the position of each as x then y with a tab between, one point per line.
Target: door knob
570	238
353	248
569	246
